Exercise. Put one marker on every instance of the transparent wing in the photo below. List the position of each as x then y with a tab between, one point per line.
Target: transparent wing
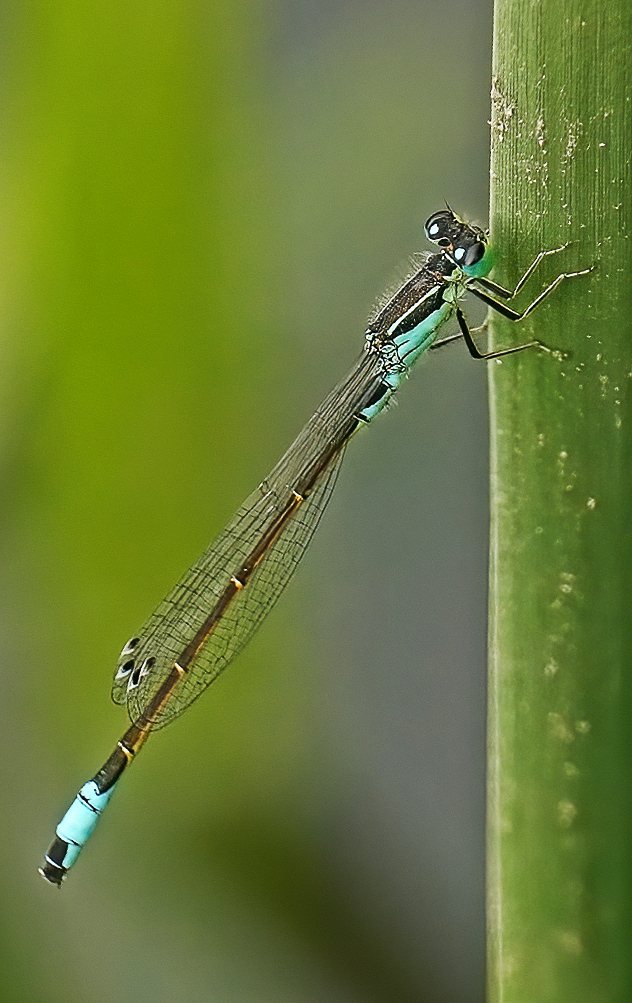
146	660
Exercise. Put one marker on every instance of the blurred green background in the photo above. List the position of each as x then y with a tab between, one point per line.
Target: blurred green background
200	204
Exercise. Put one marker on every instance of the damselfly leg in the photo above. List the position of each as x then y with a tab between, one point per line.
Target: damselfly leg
482	289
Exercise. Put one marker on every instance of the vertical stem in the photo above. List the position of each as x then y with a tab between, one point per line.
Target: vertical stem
560	696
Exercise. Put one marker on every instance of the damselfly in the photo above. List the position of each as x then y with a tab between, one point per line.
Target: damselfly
221	600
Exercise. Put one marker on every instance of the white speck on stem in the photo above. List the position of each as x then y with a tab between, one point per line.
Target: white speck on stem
566	813
569	940
559	728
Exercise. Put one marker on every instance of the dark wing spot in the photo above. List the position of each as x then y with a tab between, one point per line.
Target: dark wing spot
134	679
125	669
147	666
129	647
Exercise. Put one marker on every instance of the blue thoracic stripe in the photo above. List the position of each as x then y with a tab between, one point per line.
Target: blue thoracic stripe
410	345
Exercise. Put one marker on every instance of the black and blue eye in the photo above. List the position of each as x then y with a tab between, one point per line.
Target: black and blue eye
436	226
474	253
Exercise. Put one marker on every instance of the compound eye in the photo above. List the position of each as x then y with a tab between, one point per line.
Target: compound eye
459	254
436	226
473	254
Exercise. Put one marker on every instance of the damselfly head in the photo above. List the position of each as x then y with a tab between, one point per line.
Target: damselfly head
464	243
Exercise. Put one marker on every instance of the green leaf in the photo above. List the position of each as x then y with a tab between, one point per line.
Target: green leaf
560	703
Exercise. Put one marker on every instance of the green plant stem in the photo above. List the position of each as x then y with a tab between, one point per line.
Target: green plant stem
560	695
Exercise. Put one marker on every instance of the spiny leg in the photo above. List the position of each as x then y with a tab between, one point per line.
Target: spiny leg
506	311
514	315
495	287
457	337
477	354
